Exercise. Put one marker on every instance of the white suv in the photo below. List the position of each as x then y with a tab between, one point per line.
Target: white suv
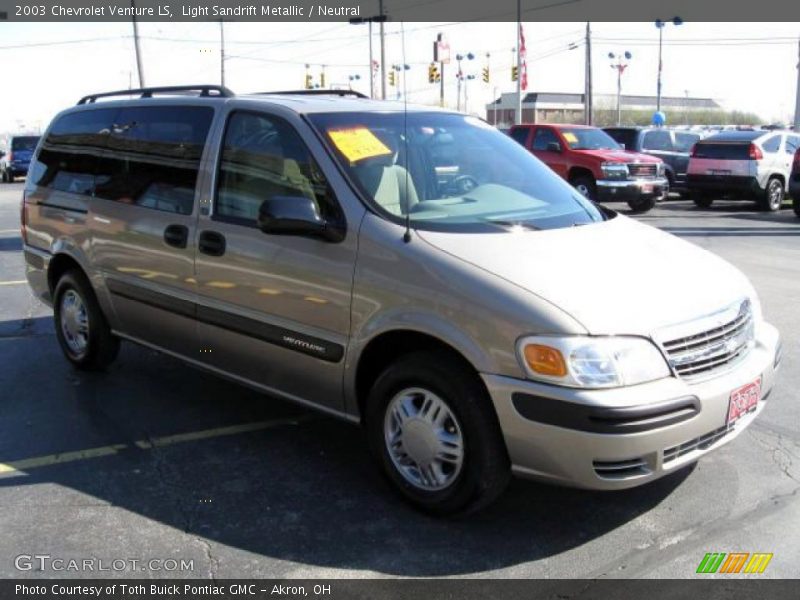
750	165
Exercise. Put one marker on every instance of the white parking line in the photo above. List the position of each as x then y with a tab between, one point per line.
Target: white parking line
17	282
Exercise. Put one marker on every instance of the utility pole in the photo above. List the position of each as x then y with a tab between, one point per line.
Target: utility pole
518	111
797	93
587	94
383	51
137	48
221	53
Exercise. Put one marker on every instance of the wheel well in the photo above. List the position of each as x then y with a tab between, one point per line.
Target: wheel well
576	172
60	264
779	177
387	348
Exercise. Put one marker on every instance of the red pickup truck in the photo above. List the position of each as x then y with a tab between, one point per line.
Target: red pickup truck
598	167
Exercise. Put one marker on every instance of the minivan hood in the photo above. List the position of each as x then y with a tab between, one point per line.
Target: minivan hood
615	277
625	156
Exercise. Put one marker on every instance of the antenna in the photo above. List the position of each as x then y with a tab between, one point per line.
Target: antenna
407	234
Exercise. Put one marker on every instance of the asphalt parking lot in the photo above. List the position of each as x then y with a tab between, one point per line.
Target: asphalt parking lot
156	460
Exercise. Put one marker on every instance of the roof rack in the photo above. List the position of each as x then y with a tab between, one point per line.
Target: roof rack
216	91
314	93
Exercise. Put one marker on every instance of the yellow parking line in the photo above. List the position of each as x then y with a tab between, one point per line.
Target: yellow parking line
16	282
27	464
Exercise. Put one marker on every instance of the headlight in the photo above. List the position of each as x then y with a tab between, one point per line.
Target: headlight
592	362
612	170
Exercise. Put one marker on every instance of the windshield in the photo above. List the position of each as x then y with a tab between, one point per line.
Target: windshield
20	144
589	139
450	172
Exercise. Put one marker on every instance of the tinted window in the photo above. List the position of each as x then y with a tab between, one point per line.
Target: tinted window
772	144
657	140
792	143
724	151
543	137
24	144
72	150
264	157
624	136
684	141
154	157
520	135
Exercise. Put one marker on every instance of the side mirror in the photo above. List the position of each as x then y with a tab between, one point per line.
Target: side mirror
553	147
296	215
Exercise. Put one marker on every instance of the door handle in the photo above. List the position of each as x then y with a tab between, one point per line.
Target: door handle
211	243
176	235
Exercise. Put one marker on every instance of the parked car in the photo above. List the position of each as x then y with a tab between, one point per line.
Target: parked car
596	164
794	182
302	244
671	146
747	165
15	156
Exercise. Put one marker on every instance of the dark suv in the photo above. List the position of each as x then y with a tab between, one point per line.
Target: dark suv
15	156
671	146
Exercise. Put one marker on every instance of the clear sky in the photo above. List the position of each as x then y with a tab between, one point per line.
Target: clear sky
745	66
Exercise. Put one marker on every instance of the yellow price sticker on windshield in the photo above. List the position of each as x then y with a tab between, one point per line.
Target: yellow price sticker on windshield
358	143
570	137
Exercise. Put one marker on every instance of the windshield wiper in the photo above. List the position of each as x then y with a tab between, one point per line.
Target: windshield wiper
523	224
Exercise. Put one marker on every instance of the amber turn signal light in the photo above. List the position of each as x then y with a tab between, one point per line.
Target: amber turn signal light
545	360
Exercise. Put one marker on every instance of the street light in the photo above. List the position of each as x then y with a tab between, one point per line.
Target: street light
460	75
398	69
353	78
620	65
660	26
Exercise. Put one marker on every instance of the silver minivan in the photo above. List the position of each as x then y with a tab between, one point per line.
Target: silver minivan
409	269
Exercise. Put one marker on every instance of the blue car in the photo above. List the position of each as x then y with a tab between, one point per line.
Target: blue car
15	156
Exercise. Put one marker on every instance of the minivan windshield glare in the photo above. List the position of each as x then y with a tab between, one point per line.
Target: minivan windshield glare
450	172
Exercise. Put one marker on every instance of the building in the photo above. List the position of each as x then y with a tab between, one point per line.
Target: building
548	107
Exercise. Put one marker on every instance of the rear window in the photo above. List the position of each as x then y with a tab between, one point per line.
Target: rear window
684	141
624	136
27	143
657	140
729	151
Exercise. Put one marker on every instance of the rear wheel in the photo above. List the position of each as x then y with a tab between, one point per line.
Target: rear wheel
433	430
641	205
586	186
773	195
7	178
702	199
796	204
81	327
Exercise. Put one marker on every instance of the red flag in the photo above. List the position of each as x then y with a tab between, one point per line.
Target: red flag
523	60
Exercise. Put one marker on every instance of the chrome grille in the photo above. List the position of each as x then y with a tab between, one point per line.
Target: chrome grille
642	170
701	443
707	351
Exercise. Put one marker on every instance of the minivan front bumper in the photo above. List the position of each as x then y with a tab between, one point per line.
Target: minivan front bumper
621	438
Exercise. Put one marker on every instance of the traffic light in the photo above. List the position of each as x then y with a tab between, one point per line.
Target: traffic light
485	74
514	73
392	78
308	81
433	73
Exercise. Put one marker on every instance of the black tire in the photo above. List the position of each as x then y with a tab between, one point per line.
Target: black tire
772	199
702	200
101	346
586	185
796	204
642	205
485	469
6	176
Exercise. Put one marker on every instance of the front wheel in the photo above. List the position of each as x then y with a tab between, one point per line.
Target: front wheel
586	186
81	327
702	200
433	430
773	195
641	205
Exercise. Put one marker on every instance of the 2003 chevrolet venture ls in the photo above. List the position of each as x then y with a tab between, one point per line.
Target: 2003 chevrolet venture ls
410	269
